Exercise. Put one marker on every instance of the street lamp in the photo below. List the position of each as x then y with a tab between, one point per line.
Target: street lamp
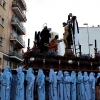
88	37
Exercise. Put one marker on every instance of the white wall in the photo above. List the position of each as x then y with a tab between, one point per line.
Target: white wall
94	33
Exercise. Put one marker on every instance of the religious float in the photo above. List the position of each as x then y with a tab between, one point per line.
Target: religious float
47	75
69	62
44	53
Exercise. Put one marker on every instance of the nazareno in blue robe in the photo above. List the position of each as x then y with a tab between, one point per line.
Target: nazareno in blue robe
98	82
98	75
92	85
30	78
52	85
40	80
86	86
60	85
13	86
80	87
20	84
0	84
47	88
6	83
73	85
67	80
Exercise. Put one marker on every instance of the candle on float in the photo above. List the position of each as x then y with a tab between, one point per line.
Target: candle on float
95	44
28	42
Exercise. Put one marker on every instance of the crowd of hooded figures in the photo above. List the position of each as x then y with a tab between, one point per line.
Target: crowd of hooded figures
61	85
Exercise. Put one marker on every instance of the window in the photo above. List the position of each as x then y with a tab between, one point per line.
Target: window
0	19
1	2
11	65
2	22
0	60
0	40
4	4
11	47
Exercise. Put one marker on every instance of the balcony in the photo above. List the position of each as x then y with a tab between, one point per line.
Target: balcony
22	4
18	11
15	22
17	40
16	55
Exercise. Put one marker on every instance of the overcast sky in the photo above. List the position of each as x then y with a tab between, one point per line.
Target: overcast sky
54	12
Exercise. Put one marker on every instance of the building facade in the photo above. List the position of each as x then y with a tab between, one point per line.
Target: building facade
87	37
12	30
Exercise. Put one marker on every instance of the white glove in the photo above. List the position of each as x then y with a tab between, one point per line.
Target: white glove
29	88
7	87
39	87
92	87
97	76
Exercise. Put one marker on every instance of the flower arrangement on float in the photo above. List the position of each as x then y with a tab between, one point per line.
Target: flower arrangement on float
98	54
52	53
32	53
86	56
69	54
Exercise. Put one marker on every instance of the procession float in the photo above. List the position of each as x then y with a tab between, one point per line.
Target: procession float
70	61
47	75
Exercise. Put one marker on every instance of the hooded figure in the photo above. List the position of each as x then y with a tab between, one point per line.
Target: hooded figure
92	85
47	88
67	80
20	84
73	85
98	79
86	86
0	83
53	85
30	78
60	85
98	87
80	87
13	84
41	84
6	83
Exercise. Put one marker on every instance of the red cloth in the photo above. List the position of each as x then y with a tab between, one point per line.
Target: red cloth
53	45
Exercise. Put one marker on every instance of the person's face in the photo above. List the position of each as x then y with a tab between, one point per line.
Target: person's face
70	15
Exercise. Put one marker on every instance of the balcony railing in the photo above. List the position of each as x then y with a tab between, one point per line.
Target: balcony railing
21	14
16	20
24	3
16	54
15	35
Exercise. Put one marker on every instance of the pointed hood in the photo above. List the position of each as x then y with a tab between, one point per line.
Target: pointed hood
66	73
29	72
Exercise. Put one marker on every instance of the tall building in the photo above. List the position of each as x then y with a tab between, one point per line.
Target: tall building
87	37
12	30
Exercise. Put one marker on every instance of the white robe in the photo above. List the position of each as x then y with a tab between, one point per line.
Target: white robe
61	48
